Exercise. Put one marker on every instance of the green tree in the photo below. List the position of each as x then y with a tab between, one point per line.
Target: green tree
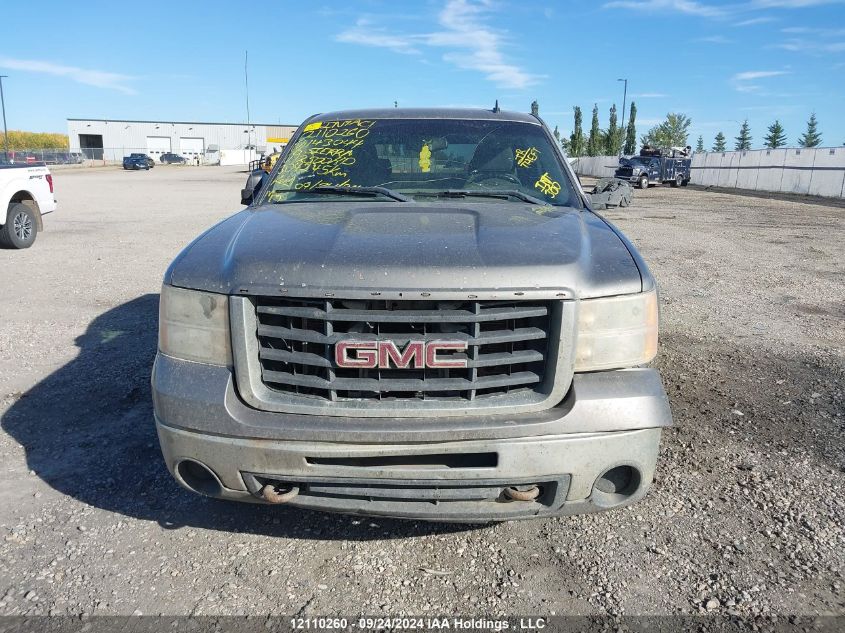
576	139
631	132
556	134
720	143
18	139
535	108
776	136
613	137
743	141
673	132
811	138
565	145
594	144
699	146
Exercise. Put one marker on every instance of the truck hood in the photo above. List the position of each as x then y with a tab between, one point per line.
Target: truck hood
354	249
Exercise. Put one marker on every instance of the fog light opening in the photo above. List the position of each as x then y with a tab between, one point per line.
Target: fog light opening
199	478
616	485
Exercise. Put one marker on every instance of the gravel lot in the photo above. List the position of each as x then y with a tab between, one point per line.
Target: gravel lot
746	515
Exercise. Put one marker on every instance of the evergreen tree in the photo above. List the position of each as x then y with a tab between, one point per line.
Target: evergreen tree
576	139
631	132
743	141
613	137
535	108
699	146
720	144
594	140
556	134
811	138
776	136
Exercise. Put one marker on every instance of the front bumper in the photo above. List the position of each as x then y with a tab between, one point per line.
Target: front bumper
631	178
438	469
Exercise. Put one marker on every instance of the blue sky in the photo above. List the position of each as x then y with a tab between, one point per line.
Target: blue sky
718	62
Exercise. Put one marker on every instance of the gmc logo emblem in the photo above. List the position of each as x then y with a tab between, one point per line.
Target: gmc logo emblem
419	354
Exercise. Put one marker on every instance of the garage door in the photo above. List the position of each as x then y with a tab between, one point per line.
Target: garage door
191	147
157	145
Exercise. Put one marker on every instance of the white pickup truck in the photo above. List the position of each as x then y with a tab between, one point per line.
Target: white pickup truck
26	192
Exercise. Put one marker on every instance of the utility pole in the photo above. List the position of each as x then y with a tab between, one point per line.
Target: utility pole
5	130
246	83
624	99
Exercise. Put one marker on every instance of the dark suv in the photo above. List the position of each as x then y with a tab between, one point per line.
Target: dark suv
169	158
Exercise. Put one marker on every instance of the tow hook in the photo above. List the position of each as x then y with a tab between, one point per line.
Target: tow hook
277	493
522	493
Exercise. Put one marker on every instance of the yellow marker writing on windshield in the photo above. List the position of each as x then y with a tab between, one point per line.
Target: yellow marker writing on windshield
547	185
525	157
313	126
425	158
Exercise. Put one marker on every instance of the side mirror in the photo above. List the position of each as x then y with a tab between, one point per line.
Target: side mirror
254	182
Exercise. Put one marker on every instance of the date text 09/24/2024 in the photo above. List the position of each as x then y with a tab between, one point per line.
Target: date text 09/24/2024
416	623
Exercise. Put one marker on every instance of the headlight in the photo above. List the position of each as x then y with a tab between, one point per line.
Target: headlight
616	332
194	326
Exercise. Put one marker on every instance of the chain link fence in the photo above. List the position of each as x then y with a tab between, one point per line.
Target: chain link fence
51	156
102	156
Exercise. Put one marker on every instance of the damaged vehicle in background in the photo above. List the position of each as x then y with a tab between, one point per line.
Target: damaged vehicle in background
418	316
656	167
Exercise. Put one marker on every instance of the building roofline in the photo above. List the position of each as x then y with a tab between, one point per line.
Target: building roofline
102	120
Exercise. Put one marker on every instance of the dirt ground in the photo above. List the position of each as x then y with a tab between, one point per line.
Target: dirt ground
745	517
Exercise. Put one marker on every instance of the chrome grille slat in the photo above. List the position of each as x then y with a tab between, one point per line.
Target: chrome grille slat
482	360
400	316
489	338
507	352
377	385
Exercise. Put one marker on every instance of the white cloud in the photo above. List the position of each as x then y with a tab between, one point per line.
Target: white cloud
689	7
750	75
367	35
470	44
87	76
763	19
805	30
793	4
714	39
811	46
741	81
706	10
649	95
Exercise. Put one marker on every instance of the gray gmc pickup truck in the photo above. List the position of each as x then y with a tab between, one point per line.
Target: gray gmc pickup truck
417	316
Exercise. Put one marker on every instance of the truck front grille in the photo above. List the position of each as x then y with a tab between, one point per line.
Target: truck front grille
507	351
625	171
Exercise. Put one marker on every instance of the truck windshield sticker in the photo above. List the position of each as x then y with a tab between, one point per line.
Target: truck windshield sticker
425	158
416	157
547	185
526	157
323	155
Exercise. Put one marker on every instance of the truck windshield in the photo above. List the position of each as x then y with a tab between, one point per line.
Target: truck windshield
422	158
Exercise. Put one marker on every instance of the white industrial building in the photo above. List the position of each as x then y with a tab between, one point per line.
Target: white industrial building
110	140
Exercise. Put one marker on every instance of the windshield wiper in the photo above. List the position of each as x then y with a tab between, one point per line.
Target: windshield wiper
502	194
351	191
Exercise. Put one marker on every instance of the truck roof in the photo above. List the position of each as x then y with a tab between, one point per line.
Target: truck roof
426	113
